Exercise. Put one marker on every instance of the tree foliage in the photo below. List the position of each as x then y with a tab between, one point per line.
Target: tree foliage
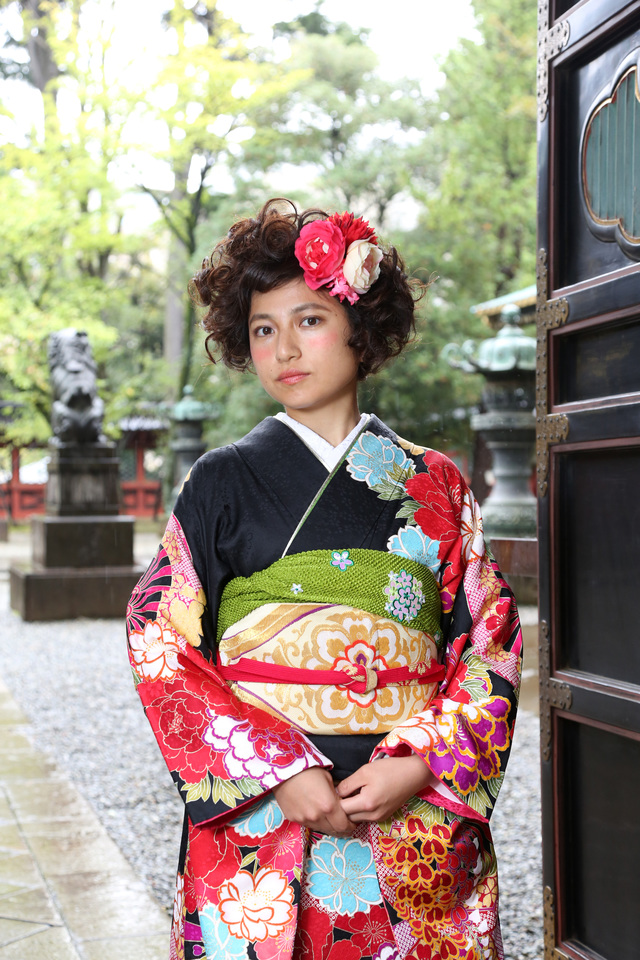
479	215
62	213
210	130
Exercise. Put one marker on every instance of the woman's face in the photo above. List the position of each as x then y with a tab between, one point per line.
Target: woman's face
298	339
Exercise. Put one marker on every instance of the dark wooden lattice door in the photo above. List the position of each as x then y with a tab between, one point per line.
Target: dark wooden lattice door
588	461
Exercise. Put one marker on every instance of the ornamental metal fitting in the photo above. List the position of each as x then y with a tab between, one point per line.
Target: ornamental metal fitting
553	693
551	952
550	42
550	427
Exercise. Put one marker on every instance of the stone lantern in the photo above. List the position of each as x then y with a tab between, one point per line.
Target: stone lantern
189	415
508	363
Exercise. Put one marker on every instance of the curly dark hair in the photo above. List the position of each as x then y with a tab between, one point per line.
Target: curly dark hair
258	255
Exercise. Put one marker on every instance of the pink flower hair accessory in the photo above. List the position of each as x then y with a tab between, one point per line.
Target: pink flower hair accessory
340	252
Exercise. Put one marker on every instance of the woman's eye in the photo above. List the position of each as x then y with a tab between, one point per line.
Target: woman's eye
311	321
262	331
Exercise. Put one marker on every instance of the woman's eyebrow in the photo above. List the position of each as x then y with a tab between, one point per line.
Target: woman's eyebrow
314	305
300	308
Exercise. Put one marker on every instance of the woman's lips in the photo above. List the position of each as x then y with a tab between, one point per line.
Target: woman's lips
292	376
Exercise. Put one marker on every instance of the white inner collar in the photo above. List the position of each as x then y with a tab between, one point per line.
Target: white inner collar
326	453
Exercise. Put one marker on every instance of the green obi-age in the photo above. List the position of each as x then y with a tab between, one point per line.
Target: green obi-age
381	583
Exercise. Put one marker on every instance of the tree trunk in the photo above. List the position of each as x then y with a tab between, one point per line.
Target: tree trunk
174	318
42	66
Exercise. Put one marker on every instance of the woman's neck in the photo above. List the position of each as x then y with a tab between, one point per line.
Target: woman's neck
333	425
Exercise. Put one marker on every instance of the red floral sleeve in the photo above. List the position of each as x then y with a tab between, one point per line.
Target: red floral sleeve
465	734
221	752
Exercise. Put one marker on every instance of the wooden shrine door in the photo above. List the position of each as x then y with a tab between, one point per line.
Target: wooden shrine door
588	464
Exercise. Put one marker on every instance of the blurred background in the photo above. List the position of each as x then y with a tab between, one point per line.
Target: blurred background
133	134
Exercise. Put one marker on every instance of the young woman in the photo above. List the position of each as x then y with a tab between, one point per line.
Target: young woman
327	654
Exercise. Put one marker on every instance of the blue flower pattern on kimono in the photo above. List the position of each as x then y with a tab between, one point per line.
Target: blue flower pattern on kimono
264	817
218	939
373	459
342	875
413	543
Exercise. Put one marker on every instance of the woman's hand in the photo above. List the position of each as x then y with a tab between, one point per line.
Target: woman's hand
378	789
310	799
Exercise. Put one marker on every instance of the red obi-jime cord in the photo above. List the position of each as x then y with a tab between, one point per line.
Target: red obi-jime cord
359	679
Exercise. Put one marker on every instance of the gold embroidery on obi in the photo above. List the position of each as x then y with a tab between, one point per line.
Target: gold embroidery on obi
330	637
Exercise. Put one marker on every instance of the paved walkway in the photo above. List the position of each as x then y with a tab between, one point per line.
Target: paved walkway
66	891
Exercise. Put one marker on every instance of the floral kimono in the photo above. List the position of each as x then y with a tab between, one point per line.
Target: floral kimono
373	579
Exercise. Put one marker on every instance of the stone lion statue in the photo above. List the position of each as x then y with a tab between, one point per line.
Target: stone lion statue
77	411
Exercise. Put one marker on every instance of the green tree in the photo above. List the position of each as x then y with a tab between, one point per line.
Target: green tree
354	131
479	216
476	231
208	99
60	223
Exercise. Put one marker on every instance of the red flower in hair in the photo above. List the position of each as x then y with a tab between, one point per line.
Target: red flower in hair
340	252
353	228
320	251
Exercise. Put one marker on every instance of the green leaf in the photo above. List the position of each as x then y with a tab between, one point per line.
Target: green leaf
428	812
408	509
479	800
387	490
475	687
136	678
197	791
477	683
495	784
402	474
247	859
225	791
250	787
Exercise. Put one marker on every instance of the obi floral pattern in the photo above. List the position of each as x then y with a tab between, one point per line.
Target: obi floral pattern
334	637
251	884
341	559
405	596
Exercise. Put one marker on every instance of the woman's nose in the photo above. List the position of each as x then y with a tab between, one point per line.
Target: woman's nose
287	346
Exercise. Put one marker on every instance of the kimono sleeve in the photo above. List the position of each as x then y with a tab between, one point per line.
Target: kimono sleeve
220	751
465	734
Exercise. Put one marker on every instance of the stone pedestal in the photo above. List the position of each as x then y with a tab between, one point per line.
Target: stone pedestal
508	364
510	509
82	541
64	593
188	446
82	551
83	480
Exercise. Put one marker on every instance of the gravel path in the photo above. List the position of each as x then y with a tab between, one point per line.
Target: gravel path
73	680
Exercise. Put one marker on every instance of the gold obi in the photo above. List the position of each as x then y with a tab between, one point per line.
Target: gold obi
330	637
